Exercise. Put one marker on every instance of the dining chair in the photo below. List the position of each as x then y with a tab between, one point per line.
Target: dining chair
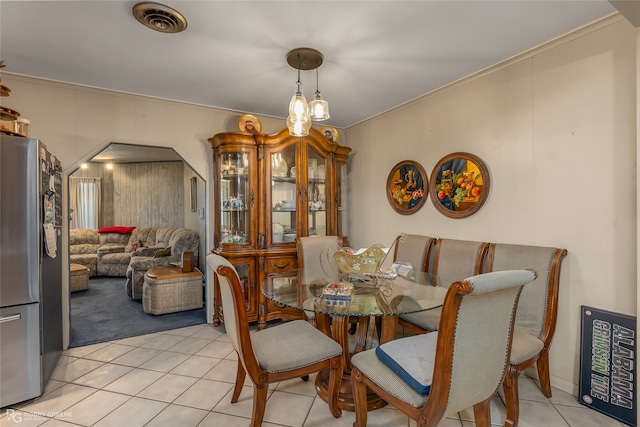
414	249
536	318
315	255
431	376
292	349
452	260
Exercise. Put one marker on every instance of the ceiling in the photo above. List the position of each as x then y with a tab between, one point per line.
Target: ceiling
232	55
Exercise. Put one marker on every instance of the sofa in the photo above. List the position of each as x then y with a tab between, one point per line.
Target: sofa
109	251
169	245
83	249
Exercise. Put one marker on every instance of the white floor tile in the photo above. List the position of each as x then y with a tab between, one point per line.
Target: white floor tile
175	415
136	412
83	351
585	417
110	352
134	382
75	369
95	407
139	340
165	361
217	349
137	357
288	409
224	371
184	332
163	342
242	407
102	376
297	386
167	388
19	418
216	419
205	394
58	400
190	345
209	332
196	366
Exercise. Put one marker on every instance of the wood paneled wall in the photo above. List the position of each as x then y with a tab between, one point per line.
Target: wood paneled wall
140	194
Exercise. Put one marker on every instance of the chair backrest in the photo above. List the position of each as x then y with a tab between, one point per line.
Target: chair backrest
474	338
456	259
414	249
315	255
538	306
235	315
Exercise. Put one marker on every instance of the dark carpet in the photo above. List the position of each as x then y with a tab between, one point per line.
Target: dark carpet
105	312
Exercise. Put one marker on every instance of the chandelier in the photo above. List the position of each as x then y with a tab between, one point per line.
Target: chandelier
302	114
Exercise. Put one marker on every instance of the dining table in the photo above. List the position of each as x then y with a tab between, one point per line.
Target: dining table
338	301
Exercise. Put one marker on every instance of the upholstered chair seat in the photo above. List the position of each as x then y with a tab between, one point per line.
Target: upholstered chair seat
301	341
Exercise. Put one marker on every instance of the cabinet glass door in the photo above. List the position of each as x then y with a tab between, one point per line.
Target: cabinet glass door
283	195
342	199
235	223
317	194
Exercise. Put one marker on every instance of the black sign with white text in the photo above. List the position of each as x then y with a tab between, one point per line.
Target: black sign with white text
607	364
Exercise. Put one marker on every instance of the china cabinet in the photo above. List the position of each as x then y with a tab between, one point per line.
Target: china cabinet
269	190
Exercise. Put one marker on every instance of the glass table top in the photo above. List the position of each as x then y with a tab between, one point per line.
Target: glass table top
368	296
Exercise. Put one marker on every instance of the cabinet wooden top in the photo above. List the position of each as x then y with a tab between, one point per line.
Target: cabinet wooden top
262	139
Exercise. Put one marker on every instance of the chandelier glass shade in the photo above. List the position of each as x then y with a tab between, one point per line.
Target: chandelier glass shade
300	113
318	108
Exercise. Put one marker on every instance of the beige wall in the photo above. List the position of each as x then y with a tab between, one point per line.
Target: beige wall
557	129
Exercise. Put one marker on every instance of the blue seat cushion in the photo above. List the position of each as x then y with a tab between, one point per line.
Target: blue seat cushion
412	359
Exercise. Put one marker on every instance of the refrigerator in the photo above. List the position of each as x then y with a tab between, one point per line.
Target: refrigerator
30	267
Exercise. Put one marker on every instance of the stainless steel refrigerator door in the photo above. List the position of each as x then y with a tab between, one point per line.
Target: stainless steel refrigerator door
20	372
19	221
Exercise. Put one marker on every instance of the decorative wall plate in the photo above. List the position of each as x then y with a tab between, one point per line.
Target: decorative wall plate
249	124
330	133
407	187
459	185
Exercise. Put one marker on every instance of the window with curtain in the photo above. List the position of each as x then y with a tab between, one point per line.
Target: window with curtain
84	202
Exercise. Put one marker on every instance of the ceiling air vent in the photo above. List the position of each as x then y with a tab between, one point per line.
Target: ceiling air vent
159	17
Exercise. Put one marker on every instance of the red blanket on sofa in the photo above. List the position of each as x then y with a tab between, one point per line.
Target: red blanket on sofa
117	229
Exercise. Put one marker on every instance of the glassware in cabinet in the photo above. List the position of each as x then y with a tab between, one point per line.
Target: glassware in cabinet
317	194
235	172
284	199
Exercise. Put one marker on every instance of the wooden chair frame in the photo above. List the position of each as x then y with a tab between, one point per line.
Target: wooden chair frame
248	364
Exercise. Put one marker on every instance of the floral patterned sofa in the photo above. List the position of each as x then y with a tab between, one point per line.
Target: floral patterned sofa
83	248
170	243
109	253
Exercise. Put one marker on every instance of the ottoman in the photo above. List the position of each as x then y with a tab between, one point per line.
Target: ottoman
78	277
168	290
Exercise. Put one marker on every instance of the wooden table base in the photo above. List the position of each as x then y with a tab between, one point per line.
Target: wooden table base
337	327
345	398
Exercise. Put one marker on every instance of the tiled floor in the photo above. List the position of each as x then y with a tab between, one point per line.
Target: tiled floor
184	378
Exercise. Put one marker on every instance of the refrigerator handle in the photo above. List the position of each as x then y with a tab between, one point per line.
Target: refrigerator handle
10	318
